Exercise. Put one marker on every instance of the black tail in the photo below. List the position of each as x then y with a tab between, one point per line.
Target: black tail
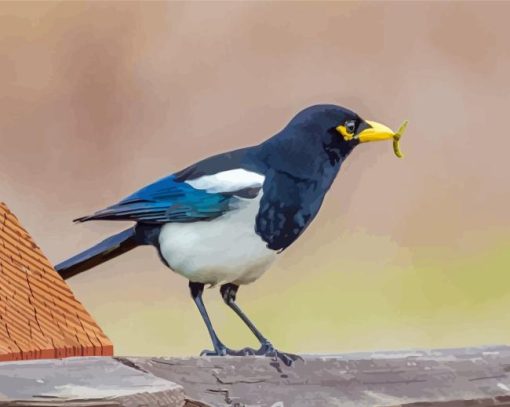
106	250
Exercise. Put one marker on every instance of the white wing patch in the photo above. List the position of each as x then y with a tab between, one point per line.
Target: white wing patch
228	181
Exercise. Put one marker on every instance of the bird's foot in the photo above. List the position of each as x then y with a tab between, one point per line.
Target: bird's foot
267	349
224	351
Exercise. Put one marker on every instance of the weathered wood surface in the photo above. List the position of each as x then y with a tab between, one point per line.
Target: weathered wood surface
447	378
88	381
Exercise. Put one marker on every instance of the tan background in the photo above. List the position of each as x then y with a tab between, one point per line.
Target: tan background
97	99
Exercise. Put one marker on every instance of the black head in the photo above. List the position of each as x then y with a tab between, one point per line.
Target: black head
322	123
318	136
336	127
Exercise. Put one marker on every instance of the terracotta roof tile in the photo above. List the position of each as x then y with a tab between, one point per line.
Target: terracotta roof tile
39	315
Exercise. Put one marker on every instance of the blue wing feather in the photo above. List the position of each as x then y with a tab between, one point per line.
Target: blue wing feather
166	200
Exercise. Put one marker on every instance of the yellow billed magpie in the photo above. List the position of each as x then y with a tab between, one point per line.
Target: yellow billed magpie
225	219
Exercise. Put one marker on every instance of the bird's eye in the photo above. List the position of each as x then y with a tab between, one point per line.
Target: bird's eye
350	126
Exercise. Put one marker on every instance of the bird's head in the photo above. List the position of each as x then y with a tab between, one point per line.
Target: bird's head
340	127
319	138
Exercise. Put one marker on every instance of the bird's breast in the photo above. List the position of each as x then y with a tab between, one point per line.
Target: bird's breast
222	250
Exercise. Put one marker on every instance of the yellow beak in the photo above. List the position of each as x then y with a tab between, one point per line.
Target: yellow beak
376	132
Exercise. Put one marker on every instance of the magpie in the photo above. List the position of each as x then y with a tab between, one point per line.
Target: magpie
224	220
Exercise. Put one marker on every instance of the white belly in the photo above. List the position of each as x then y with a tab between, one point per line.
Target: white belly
222	250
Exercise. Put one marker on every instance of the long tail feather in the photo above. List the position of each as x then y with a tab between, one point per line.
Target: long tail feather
106	250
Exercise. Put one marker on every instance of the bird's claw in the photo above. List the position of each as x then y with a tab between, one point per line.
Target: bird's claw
207	352
268	350
224	351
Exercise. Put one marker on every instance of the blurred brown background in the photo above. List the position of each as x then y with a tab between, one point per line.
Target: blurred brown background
98	98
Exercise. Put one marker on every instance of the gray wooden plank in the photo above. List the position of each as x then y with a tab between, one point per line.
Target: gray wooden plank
418	378
89	381
448	377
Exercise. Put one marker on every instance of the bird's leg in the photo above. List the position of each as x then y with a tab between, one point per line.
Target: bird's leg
228	292
196	290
